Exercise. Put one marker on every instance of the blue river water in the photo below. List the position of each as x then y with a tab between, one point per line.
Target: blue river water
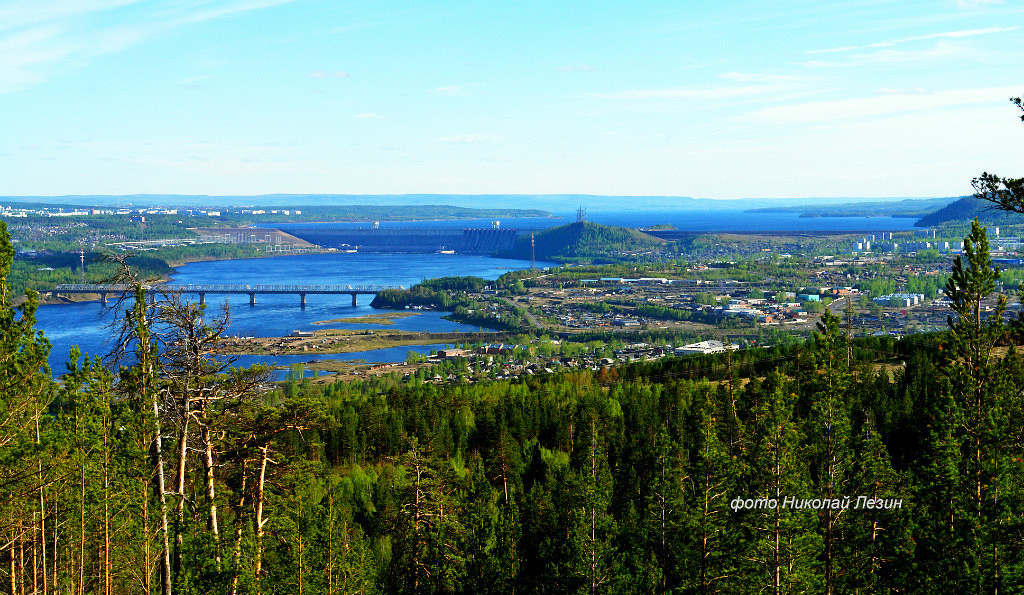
684	220
87	324
740	221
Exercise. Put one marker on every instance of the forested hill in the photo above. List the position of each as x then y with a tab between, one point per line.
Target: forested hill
963	211
908	207
583	240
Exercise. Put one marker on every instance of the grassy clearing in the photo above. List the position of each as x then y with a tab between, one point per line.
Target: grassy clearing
383	318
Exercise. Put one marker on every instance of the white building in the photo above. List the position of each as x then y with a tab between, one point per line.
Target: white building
704	347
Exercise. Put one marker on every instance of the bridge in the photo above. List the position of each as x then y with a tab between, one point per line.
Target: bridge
202	289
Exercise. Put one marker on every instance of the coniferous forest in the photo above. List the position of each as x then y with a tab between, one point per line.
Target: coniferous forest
830	467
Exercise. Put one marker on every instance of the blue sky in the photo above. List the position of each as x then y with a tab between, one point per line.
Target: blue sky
705	99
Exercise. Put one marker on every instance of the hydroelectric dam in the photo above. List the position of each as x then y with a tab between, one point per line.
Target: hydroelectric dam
410	239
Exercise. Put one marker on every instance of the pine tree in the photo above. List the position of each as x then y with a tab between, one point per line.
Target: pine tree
591	527
709	540
427	557
877	548
828	436
784	544
665	509
979	398
25	392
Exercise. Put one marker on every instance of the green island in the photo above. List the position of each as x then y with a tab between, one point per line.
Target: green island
383	318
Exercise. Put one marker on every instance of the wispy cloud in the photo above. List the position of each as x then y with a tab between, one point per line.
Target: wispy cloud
450	90
468	139
846	48
196	82
893	42
940	50
201	11
961	33
889	102
974	4
38	39
326	74
753	77
707	93
18	14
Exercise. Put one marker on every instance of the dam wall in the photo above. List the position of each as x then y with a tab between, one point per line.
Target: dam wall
414	240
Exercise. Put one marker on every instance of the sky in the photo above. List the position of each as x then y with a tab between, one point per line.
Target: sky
713	99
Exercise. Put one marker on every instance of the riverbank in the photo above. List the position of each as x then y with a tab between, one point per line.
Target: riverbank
328	341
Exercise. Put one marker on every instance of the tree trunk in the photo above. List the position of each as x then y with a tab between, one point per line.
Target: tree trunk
330	543
211	490
81	534
56	541
179	508
21	557
260	521
13	567
42	508
162	487
238	529
106	512
147	578
302	583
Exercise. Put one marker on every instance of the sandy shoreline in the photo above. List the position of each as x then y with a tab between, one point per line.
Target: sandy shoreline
329	341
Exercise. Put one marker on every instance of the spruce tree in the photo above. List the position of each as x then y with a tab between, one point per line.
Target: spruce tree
979	395
828	436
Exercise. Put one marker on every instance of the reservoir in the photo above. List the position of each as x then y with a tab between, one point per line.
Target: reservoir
86	324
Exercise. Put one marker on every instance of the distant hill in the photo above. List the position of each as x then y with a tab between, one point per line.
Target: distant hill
965	209
909	207
557	203
583	240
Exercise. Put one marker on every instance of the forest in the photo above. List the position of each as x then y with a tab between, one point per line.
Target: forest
168	471
583	241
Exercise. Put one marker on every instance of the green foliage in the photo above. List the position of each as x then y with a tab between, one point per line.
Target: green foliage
455	284
584	240
1007	194
495	314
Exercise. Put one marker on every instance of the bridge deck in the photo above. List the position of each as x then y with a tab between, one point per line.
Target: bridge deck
225	288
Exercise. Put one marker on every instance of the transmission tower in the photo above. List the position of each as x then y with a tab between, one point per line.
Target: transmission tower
533	254
581	215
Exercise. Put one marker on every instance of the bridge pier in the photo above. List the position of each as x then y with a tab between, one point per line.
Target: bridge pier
103	291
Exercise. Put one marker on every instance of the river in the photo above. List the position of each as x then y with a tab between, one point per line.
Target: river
86	324
723	220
